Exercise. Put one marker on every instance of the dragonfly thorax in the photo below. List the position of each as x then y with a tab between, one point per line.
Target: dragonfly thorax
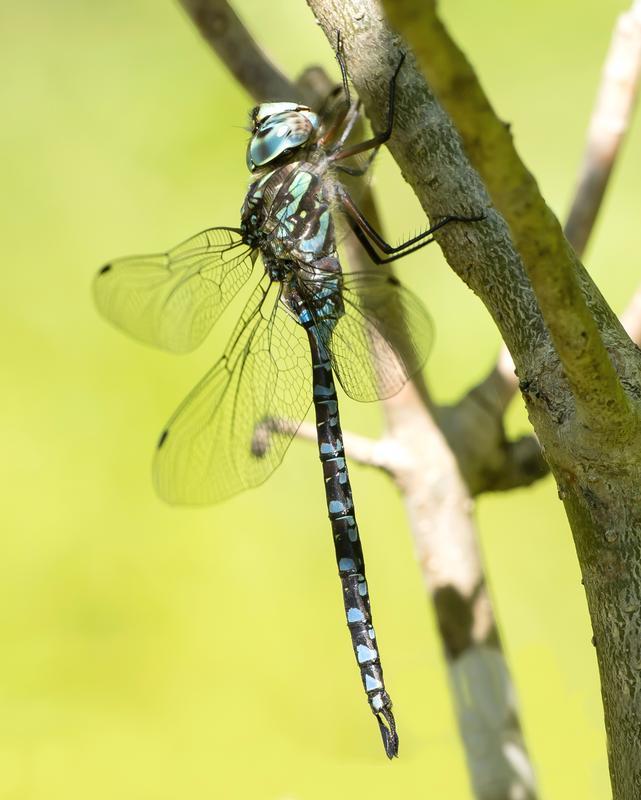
278	269
279	129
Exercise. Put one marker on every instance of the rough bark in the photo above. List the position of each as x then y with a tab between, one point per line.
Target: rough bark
609	123
579	372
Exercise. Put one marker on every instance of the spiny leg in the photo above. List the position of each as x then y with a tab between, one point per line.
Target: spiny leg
380	138
371	252
340	57
347	545
366	234
358	172
348	120
349	112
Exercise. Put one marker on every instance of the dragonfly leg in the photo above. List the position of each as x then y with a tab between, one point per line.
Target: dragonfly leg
349	112
380	138
340	57
358	172
376	257
348	120
366	234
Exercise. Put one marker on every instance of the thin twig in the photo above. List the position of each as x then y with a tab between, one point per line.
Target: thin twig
610	121
380	453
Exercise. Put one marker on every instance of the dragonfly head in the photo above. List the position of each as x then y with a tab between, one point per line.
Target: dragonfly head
278	129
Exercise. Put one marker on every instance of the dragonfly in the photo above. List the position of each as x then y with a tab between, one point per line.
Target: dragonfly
306	325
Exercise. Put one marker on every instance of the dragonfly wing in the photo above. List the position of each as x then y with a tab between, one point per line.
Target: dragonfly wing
172	299
382	339
232	431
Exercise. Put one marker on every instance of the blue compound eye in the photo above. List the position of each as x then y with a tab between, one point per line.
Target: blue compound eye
264	110
278	134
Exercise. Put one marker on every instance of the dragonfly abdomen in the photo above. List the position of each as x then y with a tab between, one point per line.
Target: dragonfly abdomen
233	429
347	544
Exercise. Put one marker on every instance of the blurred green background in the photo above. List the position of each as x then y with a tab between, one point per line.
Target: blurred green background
152	652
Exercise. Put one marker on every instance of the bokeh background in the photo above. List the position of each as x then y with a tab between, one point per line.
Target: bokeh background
153	652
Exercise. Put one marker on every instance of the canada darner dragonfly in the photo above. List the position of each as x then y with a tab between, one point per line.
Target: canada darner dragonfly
305	322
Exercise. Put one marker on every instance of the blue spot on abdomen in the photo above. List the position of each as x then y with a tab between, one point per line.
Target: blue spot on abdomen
365	654
355	615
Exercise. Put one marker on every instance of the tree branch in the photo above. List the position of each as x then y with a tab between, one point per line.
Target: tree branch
487	459
550	264
597	475
610	121
381	453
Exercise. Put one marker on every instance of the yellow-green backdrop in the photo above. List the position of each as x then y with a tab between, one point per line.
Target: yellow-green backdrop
153	652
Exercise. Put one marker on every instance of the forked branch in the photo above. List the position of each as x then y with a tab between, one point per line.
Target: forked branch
566	297
609	123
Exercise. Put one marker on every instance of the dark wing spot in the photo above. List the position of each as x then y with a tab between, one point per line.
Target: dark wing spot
106	268
393	280
163	438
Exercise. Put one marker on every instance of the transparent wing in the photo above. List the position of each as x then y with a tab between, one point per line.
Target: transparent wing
232	431
382	339
172	299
